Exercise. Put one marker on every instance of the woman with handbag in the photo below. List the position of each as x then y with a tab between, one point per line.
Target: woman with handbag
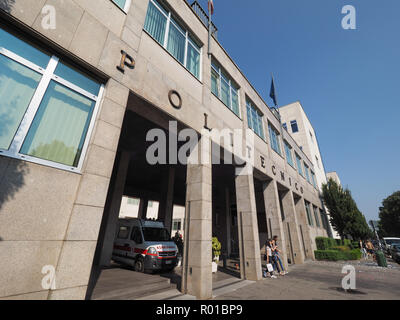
271	264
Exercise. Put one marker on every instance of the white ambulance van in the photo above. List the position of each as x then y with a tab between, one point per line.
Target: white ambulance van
145	245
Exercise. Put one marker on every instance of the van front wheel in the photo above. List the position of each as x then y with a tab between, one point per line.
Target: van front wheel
139	264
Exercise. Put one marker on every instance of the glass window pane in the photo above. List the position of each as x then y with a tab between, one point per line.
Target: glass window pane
235	103
249	120
60	126
155	23
120	3
176	43
225	92
214	83
193	61
23	49
17	87
77	78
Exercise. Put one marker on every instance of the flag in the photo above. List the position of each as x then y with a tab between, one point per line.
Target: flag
211	6
272	93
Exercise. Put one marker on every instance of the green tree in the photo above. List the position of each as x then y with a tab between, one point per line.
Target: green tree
389	215
345	217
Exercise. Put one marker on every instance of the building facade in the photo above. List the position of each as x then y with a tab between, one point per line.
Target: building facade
296	121
82	89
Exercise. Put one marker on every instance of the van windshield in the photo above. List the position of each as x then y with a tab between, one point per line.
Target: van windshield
156	234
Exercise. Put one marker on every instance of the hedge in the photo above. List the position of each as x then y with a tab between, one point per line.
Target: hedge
341	248
325	243
335	255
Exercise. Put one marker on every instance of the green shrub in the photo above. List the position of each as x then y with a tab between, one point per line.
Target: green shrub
330	255
322	243
355	245
341	248
336	255
216	247
346	242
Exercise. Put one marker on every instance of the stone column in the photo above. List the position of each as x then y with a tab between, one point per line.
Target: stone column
273	212
114	208
228	221
250	259
294	234
197	258
166	208
143	205
302	221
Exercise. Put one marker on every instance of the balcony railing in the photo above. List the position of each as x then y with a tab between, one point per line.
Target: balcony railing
203	16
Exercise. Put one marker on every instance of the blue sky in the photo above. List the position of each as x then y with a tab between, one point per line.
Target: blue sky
348	81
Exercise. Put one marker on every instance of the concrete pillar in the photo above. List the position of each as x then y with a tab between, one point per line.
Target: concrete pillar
197	258
166	208
112	211
273	212
249	246
302	222
228	221
293	233
143	205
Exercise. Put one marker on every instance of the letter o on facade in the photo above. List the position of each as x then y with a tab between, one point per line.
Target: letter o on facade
274	170
175	99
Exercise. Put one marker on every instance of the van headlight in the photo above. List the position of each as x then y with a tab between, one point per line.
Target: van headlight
152	251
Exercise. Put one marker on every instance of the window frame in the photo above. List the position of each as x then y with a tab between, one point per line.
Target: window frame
271	129
47	76
309	214
289	148
298	164
223	75
250	105
307	172
126	7
188	38
294	122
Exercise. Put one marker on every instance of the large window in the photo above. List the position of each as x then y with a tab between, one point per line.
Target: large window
47	108
167	31
123	4
316	214
314	181
294	126
307	171
254	119
309	216
289	155
224	88
299	167
274	139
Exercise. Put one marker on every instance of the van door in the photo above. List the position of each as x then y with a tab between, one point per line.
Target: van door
137	242
122	245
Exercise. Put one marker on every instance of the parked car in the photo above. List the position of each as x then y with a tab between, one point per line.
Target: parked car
387	242
144	245
395	251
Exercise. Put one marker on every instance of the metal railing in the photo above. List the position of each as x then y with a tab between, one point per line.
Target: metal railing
203	16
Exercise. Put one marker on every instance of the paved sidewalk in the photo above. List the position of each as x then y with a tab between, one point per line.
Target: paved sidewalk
319	280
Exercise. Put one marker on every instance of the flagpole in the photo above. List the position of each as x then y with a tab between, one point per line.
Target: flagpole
209	30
